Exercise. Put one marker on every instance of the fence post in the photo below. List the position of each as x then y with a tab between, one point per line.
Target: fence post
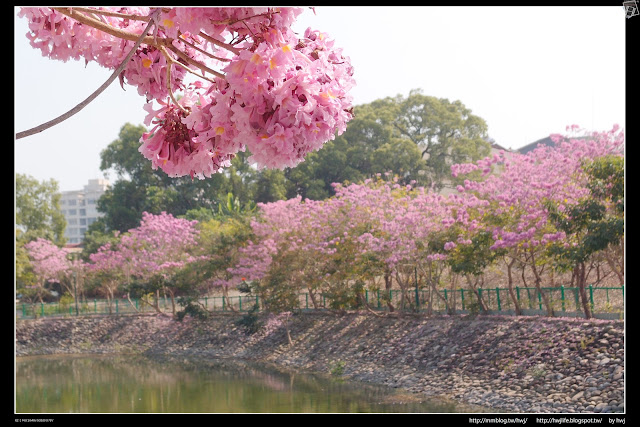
415	271
540	299
498	298
591	296
562	296
462	298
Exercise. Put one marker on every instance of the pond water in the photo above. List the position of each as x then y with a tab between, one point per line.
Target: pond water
137	384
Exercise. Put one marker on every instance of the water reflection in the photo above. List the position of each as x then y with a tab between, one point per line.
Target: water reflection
137	384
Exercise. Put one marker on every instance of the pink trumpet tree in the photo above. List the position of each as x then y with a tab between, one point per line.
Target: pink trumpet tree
153	252
519	194
51	264
256	85
381	230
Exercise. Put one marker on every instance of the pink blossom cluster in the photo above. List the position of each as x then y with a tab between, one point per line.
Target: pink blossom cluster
380	226
159	245
62	38
49	261
546	174
277	95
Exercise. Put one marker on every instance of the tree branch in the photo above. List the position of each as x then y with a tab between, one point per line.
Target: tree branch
95	94
149	40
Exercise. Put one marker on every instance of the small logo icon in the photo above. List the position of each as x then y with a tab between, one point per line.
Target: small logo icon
631	8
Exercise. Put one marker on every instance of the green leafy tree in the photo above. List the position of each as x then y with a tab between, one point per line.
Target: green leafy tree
472	260
446	132
139	188
221	238
38	211
366	148
417	138
37	215
595	223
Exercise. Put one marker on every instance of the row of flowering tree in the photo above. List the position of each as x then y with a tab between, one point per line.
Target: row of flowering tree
147	259
553	209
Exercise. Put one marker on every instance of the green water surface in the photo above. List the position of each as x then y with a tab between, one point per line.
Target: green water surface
137	384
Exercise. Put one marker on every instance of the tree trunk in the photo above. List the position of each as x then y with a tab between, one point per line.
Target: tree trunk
387	288
434	290
619	271
131	303
225	294
538	281
313	298
473	287
173	303
110	301
404	297
581	278
512	292
155	306
454	285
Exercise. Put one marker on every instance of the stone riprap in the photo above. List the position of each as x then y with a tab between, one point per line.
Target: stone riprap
512	364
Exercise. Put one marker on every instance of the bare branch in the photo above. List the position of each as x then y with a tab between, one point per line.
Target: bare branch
95	94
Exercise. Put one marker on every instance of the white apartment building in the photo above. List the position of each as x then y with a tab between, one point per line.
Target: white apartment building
79	209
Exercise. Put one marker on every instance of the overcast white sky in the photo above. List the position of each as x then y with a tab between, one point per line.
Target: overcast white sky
528	71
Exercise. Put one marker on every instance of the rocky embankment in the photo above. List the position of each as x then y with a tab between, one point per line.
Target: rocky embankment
525	364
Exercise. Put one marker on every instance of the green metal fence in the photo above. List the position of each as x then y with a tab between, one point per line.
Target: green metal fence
564	300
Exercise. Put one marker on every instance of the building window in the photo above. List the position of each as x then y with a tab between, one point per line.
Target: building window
83	212
72	202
